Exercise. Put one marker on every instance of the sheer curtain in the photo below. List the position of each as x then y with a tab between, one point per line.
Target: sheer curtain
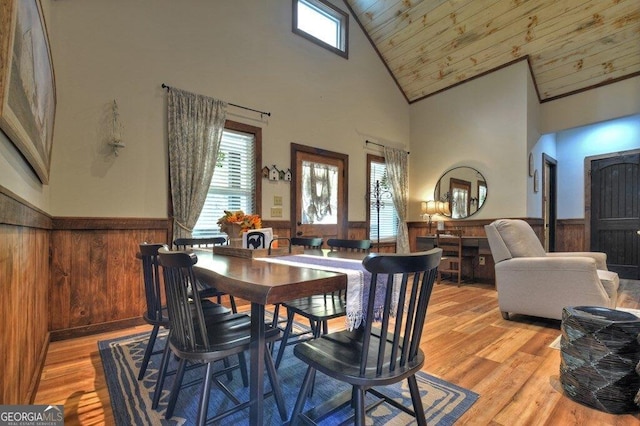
195	125
397	164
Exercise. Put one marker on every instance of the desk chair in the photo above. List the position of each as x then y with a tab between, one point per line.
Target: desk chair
196	338
205	290
369	357
451	244
156	313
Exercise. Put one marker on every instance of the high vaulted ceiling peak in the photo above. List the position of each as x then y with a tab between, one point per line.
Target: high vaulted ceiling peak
571	45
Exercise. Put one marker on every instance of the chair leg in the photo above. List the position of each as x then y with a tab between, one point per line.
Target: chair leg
285	337
175	390
417	401
360	409
148	351
275	385
232	301
242	360
204	397
302	397
162	371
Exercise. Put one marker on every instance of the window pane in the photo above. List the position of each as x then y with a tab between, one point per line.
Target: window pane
386	218
319	194
319	24
232	185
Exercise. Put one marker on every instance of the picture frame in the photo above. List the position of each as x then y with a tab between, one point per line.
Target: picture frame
536	181
27	83
531	164
257	238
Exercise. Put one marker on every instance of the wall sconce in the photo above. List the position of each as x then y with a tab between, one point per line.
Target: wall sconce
429	208
115	139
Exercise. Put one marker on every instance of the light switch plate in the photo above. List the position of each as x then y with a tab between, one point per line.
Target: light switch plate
276	211
277	200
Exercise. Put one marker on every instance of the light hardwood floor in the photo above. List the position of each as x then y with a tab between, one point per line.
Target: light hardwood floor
508	363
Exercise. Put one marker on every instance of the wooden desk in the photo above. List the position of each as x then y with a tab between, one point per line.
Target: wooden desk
473	247
262	283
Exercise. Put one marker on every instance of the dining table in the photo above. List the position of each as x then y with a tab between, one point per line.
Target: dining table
264	283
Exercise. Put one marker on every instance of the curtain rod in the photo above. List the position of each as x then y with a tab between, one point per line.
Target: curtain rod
375	143
164	86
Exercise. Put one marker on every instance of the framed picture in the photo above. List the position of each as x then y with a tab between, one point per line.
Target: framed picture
257	238
536	181
27	84
531	164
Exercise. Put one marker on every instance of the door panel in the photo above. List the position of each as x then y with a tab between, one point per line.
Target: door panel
319	197
615	212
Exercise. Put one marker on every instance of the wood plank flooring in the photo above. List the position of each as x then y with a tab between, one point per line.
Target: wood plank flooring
509	363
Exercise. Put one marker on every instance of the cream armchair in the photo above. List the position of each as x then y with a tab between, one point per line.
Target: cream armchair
532	282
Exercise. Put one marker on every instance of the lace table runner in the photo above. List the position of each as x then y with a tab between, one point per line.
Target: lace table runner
358	280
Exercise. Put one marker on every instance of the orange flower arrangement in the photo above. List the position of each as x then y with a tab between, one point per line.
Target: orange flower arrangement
244	221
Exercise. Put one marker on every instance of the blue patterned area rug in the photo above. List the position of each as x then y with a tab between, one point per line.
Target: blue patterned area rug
131	399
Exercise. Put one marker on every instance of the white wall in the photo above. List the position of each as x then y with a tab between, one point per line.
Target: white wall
240	51
480	124
603	103
574	145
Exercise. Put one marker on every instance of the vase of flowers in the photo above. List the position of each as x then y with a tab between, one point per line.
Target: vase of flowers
234	223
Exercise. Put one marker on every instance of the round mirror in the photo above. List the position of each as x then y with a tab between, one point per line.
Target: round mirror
461	191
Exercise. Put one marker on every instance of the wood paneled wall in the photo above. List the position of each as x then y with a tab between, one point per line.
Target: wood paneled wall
24	305
96	279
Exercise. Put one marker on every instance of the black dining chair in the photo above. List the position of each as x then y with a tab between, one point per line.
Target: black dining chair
320	308
309	243
156	313
195	338
207	242
360	246
380	354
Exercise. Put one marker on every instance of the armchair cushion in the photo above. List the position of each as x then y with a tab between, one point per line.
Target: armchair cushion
519	238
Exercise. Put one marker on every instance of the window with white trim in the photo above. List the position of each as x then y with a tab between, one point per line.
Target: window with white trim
323	24
234	185
386	220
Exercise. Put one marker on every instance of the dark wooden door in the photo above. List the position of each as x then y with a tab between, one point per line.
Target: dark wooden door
615	212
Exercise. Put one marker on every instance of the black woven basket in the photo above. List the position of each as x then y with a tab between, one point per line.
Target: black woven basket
599	353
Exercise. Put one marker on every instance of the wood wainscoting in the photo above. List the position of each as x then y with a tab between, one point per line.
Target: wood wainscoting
24	306
96	278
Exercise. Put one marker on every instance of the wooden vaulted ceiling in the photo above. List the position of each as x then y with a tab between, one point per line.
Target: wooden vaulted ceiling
571	45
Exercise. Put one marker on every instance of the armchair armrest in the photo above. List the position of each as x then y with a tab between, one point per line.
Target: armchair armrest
600	258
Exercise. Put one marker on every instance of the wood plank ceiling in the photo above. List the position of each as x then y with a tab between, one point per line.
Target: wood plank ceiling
571	45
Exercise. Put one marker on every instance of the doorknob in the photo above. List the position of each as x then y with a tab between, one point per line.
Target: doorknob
299	233
299	223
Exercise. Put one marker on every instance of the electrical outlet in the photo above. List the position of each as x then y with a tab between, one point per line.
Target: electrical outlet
481	260
276	211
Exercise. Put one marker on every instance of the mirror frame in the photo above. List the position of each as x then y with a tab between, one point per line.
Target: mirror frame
459	180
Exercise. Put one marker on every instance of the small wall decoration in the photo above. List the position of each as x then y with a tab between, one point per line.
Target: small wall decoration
536	181
274	173
531	164
27	84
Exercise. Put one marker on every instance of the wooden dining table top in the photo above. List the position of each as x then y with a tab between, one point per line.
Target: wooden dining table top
263	282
